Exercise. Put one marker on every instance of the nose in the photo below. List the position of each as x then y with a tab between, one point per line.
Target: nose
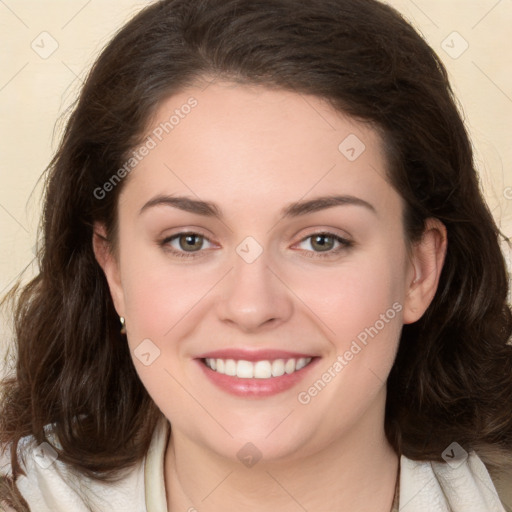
254	296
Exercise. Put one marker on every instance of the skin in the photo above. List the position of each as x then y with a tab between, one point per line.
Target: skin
253	151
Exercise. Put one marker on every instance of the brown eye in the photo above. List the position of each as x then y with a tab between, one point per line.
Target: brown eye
324	245
186	244
190	241
322	242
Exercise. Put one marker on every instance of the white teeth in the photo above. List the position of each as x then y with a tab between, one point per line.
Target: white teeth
244	370
258	369
263	370
301	363
277	368
289	367
230	367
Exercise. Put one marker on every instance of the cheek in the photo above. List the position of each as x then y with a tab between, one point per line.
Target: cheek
159	293
156	300
360	305
354	295
161	303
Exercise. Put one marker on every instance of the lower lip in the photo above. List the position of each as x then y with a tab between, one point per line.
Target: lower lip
257	388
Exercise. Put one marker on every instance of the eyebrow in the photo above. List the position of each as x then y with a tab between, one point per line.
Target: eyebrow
296	209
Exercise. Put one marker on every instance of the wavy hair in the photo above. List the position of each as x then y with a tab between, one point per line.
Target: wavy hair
453	371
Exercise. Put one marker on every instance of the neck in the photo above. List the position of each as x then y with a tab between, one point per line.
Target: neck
356	472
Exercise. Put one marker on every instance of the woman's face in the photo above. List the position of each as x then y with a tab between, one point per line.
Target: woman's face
258	233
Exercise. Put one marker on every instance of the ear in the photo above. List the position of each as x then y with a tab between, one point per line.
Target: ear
110	265
427	259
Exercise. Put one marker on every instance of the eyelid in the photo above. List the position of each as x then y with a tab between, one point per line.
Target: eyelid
334	232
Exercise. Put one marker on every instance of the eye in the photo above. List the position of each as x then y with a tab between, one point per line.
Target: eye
191	244
186	242
325	244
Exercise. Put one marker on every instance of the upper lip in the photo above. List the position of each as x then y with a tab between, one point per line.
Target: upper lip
253	355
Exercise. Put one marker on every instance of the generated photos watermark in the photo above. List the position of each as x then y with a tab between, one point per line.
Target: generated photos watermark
357	345
150	143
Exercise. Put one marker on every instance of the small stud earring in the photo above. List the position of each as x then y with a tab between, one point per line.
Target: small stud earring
123	325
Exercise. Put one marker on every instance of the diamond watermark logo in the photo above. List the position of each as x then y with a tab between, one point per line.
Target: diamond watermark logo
147	352
455	455
45	45
249	250
454	45
249	455
352	147
45	455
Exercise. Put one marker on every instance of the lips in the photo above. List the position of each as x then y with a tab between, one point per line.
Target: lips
258	373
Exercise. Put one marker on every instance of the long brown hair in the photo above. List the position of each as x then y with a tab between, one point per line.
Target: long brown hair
453	373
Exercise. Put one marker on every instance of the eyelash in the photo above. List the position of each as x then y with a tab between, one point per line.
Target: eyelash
344	244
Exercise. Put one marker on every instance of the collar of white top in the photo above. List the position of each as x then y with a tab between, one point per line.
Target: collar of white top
154	469
424	486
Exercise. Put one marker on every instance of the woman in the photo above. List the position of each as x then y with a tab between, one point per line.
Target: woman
268	278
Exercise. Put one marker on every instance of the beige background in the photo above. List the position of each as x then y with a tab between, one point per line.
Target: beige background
36	88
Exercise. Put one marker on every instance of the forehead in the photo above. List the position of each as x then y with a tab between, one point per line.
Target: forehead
237	143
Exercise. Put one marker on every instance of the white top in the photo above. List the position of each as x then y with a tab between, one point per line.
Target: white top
49	487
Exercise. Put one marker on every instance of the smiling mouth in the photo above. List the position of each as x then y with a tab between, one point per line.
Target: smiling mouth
264	369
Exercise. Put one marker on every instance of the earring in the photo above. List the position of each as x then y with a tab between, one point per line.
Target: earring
123	325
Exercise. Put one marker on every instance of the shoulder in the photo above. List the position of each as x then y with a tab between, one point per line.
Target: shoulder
49	485
461	484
